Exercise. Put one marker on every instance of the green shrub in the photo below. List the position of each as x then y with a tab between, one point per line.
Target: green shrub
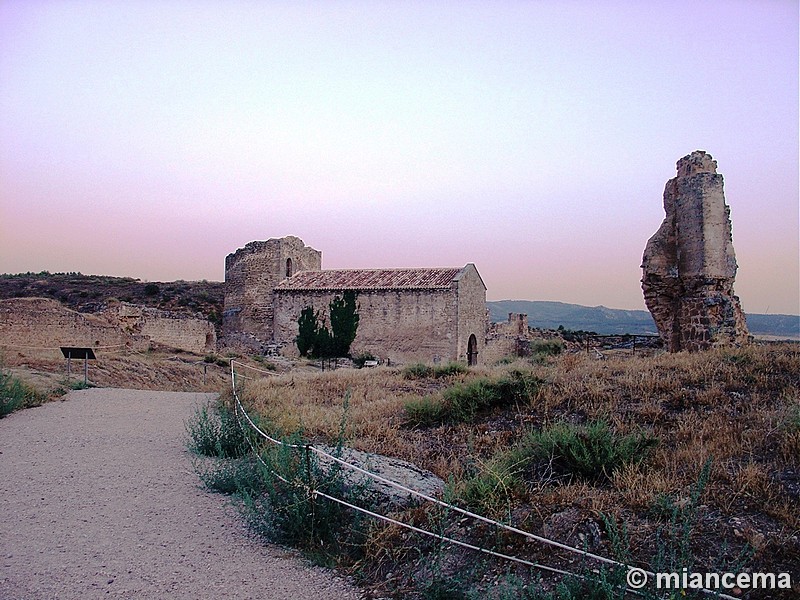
363	357
465	401
284	509
492	488
212	359
592	451
230	476
260	359
216	432
547	347
16	394
421	371
425	411
417	371
449	369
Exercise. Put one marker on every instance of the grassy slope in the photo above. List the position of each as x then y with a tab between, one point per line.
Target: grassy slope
739	408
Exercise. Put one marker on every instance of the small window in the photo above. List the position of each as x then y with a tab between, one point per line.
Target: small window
288	267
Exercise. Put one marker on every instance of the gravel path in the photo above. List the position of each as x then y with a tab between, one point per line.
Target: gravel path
98	499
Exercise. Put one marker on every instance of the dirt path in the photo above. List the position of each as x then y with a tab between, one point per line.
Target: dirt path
98	499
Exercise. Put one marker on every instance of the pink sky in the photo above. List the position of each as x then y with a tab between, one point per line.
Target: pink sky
151	139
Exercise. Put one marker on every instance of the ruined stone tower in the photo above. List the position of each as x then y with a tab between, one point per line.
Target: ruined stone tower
251	274
689	265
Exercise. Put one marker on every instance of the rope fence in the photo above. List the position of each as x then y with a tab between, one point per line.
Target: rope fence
309	448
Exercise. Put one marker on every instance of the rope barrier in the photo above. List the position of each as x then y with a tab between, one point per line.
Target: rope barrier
270	373
387	519
376	477
15	346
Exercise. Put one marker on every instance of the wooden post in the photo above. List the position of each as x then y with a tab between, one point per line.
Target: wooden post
312	494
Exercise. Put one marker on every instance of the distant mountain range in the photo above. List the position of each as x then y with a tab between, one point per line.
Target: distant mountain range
609	321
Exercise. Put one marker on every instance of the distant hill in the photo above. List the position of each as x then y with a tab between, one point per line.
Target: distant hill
602	320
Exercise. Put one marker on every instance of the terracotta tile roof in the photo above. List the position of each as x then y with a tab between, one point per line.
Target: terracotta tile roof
370	279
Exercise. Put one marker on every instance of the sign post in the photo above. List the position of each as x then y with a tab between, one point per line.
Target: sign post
86	354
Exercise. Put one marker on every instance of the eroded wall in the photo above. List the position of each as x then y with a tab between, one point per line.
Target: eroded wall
183	331
251	273
689	264
46	323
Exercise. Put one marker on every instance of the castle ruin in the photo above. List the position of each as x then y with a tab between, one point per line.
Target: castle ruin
689	265
425	314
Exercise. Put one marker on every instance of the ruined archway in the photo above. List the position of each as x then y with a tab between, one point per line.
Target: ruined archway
472	350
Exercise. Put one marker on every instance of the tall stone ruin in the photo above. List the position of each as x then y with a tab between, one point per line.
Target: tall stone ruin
689	265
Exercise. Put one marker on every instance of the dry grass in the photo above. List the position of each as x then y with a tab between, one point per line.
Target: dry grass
739	408
165	369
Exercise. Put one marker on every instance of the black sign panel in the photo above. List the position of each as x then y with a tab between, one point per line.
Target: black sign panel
85	353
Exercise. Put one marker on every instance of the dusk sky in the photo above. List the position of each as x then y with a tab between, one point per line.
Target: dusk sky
150	139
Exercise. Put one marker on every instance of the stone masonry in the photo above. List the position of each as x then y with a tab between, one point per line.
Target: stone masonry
185	331
44	323
689	265
251	273
429	314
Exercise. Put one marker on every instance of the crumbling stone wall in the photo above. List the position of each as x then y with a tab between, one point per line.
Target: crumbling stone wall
508	338
689	264
46	323
251	273
189	332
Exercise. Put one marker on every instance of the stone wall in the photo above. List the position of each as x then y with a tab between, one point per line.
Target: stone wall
473	317
508	338
45	323
689	265
251	273
188	332
399	325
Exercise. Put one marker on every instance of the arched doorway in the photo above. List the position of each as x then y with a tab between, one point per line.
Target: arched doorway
472	351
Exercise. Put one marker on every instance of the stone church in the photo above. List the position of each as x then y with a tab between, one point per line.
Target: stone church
406	315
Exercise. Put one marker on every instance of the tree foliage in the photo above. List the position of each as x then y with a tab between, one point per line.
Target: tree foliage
344	323
308	330
316	340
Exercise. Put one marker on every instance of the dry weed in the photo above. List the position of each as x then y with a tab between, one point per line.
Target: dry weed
737	408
